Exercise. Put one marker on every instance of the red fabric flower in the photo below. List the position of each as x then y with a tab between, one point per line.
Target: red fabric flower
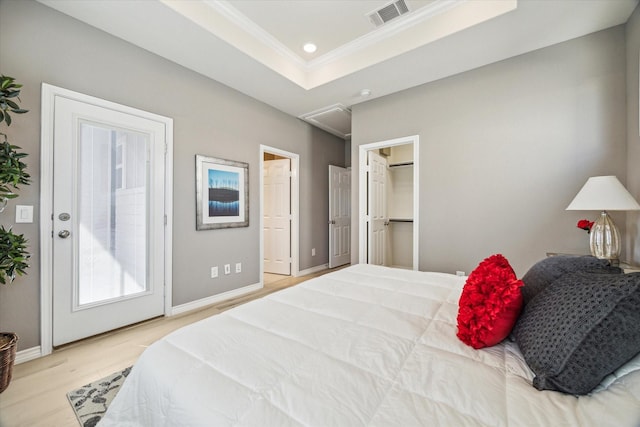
585	224
490	303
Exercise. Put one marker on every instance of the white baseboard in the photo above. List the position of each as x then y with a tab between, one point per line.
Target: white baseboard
193	305
36	352
28	354
312	270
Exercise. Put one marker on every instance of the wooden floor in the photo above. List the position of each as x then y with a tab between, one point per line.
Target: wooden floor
37	393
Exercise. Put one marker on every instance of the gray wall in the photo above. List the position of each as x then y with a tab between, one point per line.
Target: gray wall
38	44
633	134
504	149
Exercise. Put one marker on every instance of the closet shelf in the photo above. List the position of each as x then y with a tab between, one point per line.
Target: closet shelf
400	220
401	165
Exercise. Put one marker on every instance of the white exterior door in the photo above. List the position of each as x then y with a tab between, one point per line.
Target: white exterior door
108	219
339	216
277	216
377	209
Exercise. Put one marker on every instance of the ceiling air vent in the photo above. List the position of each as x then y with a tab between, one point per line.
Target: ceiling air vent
388	12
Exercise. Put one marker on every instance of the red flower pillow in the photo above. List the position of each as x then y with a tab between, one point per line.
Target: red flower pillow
490	303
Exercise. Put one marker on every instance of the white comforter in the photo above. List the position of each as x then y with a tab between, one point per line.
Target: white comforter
364	346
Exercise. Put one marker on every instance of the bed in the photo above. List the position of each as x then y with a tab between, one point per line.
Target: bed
363	346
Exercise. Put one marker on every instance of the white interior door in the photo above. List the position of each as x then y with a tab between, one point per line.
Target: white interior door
277	216
377	209
108	219
339	216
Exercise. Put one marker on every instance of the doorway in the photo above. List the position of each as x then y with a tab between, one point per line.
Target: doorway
105	201
279	195
388	203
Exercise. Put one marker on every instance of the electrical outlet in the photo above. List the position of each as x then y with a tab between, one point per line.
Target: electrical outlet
313	251
460	273
227	269
214	272
238	267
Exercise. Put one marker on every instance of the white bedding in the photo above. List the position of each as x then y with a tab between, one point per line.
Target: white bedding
364	346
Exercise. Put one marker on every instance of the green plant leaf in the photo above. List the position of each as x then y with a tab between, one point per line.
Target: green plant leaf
13	255
7	118
5	81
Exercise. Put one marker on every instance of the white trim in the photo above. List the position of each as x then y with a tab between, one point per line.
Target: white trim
295	207
49	92
416	202
168	213
234	15
28	354
312	270
46	224
203	302
362	194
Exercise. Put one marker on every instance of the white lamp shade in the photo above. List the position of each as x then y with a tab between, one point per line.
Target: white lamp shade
603	193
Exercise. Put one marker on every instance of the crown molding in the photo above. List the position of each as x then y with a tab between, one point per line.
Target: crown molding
383	32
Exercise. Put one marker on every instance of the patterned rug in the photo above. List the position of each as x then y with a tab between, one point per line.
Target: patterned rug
91	401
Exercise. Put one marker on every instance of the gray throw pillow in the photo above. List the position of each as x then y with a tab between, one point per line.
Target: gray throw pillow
580	329
547	270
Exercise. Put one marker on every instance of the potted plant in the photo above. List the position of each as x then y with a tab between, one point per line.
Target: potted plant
13	247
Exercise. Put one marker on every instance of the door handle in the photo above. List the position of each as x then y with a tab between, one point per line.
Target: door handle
63	234
332	222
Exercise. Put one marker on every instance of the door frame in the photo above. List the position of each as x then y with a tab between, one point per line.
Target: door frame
295	207
49	93
362	193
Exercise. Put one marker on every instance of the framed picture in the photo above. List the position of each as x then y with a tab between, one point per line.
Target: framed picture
222	193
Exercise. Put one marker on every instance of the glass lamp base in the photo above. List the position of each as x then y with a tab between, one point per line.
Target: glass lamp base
605	238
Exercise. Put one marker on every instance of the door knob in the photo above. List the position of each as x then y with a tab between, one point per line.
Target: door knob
64	234
333	221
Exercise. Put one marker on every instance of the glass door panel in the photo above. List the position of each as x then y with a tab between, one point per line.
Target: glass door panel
113	201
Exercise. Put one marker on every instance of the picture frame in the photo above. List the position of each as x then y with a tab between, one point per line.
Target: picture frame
222	193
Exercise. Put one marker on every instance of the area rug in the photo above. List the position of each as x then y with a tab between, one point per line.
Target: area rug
91	401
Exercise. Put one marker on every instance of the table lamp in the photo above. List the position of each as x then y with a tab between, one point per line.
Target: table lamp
604	193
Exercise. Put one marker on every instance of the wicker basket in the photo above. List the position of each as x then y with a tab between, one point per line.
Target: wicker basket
8	344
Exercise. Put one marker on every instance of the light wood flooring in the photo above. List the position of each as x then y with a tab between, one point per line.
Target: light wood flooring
37	393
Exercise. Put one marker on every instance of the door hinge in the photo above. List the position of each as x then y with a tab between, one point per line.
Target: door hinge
165	219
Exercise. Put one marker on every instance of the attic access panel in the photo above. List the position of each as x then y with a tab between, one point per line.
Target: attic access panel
335	119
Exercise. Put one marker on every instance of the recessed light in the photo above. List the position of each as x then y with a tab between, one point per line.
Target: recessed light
309	47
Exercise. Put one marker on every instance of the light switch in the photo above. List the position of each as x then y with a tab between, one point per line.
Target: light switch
24	214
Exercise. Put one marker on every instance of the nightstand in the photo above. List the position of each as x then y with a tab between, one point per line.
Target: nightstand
629	268
625	266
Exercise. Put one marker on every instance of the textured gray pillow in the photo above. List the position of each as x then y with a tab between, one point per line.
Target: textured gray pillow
544	272
580	329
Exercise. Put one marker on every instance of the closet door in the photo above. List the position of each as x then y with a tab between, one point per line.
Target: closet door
377	209
339	216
